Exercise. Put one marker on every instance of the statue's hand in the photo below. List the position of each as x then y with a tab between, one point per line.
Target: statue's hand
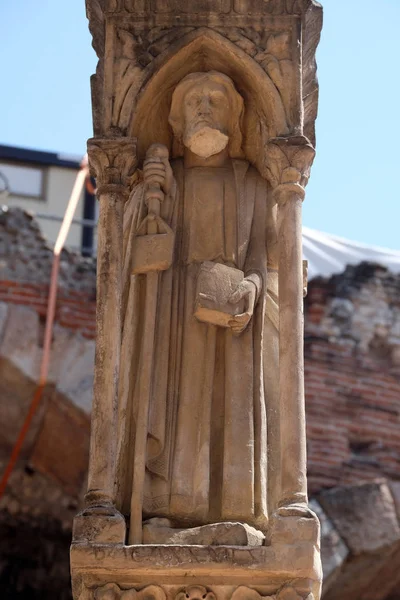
157	171
247	290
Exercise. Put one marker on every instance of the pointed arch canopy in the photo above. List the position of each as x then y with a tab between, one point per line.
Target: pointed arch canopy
205	50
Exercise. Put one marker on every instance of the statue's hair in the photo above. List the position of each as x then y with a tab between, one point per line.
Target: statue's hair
236	108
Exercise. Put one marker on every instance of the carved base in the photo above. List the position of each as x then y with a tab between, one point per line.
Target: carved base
99	525
287	569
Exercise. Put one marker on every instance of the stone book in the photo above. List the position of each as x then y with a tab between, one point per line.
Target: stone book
215	285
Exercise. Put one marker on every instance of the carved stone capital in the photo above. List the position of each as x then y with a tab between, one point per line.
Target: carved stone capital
288	162
113	163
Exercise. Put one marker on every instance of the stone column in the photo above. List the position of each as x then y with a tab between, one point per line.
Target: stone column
288	164
113	163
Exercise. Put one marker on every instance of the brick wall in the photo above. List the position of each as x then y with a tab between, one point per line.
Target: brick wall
74	309
25	268
352	377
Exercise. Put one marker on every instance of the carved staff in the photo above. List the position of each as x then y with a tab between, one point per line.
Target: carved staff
153	248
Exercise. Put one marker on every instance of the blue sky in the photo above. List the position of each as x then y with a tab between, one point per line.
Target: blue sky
46	61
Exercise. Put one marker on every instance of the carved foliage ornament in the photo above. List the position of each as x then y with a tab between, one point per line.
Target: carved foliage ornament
272	50
111	591
288	162
195	592
113	164
287	592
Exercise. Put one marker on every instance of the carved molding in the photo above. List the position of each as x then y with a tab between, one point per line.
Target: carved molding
288	162
113	164
273	7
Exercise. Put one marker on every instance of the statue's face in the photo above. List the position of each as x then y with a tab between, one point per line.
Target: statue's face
206	109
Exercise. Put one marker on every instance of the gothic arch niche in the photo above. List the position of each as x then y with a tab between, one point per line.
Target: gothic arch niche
207	50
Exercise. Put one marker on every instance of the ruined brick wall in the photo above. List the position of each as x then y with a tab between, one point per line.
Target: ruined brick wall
352	377
47	485
25	269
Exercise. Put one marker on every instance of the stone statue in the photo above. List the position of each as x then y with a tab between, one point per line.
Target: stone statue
203	117
206	449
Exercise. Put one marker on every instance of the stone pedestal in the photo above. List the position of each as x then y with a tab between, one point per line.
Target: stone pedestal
288	569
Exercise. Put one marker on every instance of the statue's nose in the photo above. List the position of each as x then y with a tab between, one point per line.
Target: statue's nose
204	108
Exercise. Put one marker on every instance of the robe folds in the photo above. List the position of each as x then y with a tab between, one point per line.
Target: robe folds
206	457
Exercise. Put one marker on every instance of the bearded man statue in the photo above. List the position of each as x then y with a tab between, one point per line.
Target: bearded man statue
206	456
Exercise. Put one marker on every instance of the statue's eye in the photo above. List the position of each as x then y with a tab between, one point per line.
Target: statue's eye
193	100
216	98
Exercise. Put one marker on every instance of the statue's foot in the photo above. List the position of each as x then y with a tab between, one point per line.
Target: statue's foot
296	509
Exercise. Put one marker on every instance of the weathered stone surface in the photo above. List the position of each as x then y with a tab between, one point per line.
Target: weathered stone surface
252	565
334	551
365	517
369	504
72	367
157	531
291	530
20	344
99	528
394	487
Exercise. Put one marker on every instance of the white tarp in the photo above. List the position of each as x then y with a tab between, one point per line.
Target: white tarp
329	254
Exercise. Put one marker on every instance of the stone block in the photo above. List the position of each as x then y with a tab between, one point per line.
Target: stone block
21	340
157	531
97	528
291	530
245	7
364	516
205	6
334	551
242	568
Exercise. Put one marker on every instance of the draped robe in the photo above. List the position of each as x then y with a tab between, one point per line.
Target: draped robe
206	455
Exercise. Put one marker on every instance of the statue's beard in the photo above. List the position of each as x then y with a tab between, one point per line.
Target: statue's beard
205	140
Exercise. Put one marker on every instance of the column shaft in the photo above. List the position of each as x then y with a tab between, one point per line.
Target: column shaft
108	345
291	360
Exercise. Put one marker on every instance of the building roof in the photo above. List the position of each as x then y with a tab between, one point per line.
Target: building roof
38	157
328	254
